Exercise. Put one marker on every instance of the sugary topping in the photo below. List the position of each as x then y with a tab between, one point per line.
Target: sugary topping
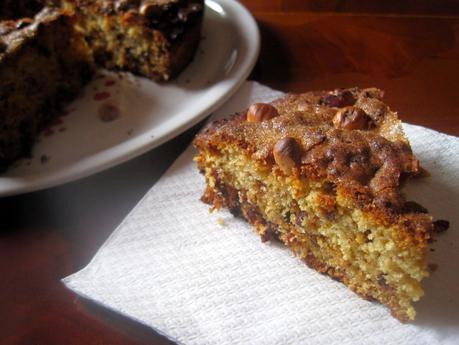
349	137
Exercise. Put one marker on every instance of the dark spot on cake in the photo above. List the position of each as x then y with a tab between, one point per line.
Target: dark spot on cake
287	216
383	283
329	187
62	129
271	233
44	159
100	96
440	225
108	112
301	217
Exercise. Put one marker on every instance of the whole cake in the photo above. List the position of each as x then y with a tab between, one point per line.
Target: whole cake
44	64
46	58
322	173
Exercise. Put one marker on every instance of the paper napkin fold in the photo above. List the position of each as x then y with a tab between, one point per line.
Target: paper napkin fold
202	278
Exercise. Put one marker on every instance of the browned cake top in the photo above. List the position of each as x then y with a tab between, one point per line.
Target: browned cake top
349	137
172	17
13	33
14	9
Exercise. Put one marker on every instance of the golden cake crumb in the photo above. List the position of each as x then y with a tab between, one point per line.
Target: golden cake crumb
322	173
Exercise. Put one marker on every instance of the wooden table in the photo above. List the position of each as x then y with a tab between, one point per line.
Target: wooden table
410	50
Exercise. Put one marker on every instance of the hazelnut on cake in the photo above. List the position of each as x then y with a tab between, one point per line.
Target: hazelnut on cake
322	172
44	64
152	38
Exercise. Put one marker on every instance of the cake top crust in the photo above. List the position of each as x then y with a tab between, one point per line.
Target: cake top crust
171	17
346	136
14	33
15	9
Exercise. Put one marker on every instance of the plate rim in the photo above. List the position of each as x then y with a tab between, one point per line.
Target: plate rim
245	23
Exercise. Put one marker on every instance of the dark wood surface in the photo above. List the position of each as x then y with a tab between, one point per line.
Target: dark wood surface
410	50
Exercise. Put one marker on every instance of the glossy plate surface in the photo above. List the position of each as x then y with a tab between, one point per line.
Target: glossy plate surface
120	116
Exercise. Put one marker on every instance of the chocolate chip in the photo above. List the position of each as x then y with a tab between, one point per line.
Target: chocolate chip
339	98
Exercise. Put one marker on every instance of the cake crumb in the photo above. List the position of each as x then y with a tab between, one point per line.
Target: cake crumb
220	221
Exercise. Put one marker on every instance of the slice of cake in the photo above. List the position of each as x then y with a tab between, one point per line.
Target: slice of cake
322	172
44	64
151	38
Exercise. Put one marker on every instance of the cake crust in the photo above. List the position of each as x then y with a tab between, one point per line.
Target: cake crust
152	38
44	64
324	175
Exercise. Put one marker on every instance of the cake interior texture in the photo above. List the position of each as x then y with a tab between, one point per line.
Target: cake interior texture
328	190
43	65
155	39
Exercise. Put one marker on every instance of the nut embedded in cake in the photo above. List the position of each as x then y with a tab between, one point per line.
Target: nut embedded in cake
322	172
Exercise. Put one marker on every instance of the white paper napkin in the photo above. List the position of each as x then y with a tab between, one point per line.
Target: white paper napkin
202	278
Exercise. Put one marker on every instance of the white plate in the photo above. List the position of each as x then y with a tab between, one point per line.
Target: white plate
145	114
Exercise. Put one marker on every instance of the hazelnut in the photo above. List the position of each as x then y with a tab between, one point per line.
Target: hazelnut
352	118
287	154
259	112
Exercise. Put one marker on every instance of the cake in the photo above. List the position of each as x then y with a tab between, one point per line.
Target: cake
46	58
322	172
15	9
151	38
44	64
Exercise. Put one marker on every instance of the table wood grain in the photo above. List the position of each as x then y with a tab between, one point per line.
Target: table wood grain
410	50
